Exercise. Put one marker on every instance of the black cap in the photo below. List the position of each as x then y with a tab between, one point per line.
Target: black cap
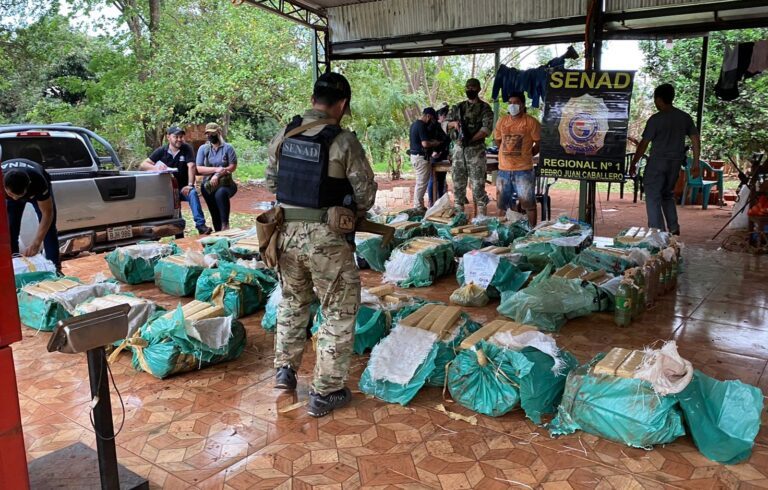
175	130
333	86
429	111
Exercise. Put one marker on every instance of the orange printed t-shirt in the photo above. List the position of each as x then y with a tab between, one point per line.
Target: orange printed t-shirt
517	135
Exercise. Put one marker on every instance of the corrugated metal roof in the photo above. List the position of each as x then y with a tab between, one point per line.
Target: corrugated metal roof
627	5
394	18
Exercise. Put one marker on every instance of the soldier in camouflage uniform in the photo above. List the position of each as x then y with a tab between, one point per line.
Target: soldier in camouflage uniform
472	119
311	254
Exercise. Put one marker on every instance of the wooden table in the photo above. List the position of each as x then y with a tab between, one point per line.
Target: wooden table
491	165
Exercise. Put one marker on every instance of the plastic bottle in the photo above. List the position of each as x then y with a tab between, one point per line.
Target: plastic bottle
670	254
662	275
622	316
629	275
649	289
639	306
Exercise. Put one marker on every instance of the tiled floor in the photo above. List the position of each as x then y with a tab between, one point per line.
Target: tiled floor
225	427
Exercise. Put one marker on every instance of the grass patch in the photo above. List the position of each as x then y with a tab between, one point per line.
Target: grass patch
236	220
250	171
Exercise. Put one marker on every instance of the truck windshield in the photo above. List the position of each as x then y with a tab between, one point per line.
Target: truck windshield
48	152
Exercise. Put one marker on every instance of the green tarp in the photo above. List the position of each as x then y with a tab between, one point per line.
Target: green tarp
549	301
218	247
624	410
169	349
135	264
723	417
32	277
40	313
447	350
369	249
595	259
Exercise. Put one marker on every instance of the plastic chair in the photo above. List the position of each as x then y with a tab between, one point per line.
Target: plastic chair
694	184
637	180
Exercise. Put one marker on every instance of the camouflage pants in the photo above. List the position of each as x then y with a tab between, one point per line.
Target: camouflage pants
312	255
469	163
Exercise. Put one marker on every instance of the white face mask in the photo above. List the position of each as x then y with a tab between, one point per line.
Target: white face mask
514	109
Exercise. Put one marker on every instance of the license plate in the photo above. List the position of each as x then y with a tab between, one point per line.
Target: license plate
119	233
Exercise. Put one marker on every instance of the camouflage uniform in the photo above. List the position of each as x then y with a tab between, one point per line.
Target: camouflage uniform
469	161
312	255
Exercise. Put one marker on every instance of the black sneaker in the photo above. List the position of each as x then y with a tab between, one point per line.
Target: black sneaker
285	379
205	230
321	405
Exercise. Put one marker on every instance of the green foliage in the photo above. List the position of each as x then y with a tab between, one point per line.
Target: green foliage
728	128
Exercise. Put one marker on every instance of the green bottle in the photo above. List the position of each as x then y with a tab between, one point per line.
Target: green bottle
623	315
641	292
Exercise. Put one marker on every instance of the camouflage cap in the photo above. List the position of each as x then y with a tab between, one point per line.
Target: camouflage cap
212	127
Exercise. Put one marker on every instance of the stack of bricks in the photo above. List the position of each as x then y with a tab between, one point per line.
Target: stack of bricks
397	197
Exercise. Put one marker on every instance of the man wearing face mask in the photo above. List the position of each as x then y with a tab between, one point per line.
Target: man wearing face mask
314	166
517	135
216	162
470	122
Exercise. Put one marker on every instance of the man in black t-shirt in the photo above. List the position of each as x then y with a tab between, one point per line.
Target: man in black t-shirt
26	181
180	155
422	143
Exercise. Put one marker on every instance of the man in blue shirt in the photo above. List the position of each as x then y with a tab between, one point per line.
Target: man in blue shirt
180	155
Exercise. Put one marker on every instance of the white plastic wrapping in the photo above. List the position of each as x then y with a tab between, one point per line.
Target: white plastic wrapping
397	357
399	266
37	263
146	250
544	343
213	332
740	222
441	205
665	369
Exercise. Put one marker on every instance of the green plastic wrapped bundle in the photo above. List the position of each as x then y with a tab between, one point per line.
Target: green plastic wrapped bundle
218	246
370	250
510	274
171	346
508	231
543	252
595	258
239	289
624	410
403	234
723	417
562	227
462	243
43	304
548	302
418	262
269	320
400	364
448	348
542	389
32	277
178	276
638	237
371	325
135	264
485	379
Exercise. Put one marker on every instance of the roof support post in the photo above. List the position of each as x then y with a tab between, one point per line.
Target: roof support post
496	63
702	81
593	47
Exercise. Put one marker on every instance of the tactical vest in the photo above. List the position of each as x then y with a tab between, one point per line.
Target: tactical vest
302	175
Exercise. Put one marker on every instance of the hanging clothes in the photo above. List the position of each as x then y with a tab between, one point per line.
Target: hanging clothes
532	81
759	61
736	62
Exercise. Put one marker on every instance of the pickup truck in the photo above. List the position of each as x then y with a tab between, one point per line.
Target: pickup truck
100	206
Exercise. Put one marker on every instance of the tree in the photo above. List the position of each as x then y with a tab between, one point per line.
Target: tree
728	128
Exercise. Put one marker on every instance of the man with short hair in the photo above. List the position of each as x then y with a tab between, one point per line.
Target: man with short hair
470	122
179	155
422	143
517	136
314	166
439	153
27	181
666	130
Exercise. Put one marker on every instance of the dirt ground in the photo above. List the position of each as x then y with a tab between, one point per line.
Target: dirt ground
698	226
